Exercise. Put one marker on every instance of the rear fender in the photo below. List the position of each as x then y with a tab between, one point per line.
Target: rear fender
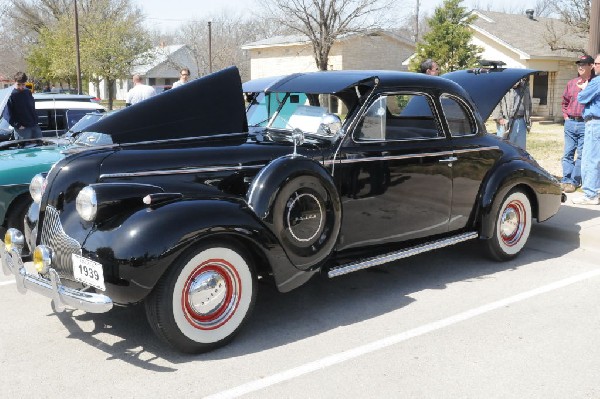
542	190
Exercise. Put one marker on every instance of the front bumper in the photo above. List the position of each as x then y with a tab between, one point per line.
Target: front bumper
61	295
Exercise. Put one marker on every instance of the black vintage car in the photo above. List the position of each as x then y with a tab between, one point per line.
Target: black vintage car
197	194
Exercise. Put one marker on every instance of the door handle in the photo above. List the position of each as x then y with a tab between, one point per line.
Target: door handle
449	160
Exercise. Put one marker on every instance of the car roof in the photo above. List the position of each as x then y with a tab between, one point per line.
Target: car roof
485	87
68	105
62	97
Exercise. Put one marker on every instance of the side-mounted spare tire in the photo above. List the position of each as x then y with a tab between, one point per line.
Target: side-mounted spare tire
297	199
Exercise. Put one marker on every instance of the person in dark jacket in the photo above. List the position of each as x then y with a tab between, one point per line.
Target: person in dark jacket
21	108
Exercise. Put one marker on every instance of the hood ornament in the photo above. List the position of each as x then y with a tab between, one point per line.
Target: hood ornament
298	139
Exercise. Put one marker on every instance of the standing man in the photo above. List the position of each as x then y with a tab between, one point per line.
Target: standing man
513	114
139	92
590	158
574	125
429	67
184	76
21	108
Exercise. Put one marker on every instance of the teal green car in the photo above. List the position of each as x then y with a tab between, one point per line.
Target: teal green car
21	160
17	168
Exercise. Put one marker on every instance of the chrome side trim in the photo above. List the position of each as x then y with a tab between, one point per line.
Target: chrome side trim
191	138
51	288
409	156
405	253
180	171
467	150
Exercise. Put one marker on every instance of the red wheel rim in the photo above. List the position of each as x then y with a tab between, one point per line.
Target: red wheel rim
215	270
512	223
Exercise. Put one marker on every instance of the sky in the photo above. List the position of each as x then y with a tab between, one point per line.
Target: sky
165	16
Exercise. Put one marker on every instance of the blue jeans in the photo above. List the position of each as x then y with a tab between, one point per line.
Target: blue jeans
590	159
33	132
518	132
574	134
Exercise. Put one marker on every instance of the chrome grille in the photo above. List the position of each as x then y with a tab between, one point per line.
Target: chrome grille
62	245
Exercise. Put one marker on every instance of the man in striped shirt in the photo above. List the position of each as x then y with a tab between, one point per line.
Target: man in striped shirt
574	124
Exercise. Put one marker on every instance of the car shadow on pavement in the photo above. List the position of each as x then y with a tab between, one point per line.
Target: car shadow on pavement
322	305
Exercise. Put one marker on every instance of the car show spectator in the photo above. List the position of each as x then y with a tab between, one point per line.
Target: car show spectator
429	67
513	114
574	125
139	91
21	108
590	157
184	76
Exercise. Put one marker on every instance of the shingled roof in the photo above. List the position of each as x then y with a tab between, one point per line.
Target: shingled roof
290	40
524	35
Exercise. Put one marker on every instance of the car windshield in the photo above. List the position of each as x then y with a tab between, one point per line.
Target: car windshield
289	111
93	138
85	121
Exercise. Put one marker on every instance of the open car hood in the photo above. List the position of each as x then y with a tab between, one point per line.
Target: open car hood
210	105
487	86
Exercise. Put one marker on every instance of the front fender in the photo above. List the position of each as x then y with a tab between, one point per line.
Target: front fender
296	198
542	188
137	249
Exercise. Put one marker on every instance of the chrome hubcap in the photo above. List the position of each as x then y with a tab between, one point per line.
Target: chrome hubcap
207	293
512	223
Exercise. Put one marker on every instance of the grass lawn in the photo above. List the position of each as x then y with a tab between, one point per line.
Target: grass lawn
545	143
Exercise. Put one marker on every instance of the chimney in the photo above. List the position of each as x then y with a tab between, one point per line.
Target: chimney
529	13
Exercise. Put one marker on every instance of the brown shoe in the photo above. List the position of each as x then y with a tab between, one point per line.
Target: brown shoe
568	187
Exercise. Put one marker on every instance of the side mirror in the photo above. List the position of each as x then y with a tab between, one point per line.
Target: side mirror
330	125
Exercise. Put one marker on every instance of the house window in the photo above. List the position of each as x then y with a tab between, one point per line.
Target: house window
540	87
151	81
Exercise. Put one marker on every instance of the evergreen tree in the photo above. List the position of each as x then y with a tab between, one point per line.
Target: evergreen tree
447	42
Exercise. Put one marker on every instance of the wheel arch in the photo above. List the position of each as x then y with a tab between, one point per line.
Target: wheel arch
295	194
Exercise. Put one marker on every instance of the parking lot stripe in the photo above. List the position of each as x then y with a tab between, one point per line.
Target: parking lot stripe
7	282
350	354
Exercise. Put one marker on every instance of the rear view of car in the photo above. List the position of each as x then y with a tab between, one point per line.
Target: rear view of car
57	117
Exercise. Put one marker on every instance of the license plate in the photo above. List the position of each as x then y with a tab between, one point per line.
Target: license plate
88	272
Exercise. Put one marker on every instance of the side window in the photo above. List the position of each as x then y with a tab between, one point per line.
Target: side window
404	116
459	120
373	124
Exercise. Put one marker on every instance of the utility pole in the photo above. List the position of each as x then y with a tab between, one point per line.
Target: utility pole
209	47
417	21
593	46
77	48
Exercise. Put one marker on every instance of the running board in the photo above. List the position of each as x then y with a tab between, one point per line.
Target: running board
405	253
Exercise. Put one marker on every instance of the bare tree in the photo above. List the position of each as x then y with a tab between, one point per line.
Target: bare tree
324	21
228	33
575	15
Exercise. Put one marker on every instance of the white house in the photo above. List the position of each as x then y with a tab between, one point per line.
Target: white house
521	42
163	69
288	54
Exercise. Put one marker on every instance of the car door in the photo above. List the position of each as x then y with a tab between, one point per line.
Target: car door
394	172
475	154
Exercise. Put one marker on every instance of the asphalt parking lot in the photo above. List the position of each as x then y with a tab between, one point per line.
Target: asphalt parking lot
444	324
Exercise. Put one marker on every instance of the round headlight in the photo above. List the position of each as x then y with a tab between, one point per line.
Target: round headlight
42	259
86	204
36	188
14	239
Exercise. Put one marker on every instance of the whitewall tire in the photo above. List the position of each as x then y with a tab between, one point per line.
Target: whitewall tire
204	300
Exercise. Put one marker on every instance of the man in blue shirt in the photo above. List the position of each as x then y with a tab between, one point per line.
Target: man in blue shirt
21	107
590	157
